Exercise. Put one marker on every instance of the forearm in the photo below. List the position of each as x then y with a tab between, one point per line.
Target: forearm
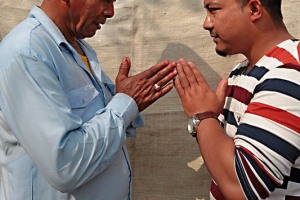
218	151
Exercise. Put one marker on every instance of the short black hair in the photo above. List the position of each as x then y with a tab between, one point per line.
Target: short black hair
272	6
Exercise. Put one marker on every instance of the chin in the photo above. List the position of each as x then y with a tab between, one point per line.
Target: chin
222	53
89	35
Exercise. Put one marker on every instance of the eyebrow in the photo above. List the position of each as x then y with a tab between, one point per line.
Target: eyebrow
206	6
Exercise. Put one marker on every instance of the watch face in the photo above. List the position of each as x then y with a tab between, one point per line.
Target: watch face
190	125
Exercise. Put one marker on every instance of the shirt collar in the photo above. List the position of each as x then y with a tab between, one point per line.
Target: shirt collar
52	29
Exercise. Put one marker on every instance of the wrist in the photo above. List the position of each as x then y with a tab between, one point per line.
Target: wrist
196	119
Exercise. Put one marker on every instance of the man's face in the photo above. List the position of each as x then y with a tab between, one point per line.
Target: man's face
87	16
227	23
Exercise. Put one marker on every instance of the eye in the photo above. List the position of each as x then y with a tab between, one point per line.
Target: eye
212	9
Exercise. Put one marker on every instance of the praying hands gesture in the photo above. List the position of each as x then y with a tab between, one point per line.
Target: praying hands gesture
195	93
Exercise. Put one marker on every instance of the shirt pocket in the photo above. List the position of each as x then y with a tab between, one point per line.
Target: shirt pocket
81	97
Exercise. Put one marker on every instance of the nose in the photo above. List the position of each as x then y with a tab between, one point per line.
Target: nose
110	10
208	23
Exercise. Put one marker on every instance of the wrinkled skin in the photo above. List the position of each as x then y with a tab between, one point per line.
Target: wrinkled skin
141	86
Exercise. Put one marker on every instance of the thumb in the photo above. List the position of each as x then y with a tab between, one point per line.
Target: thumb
124	69
221	90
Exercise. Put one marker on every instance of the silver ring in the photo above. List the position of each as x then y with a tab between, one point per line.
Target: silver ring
156	86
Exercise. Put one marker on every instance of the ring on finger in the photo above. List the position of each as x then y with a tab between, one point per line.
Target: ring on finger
156	86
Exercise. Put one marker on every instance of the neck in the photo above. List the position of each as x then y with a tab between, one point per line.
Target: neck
264	42
56	11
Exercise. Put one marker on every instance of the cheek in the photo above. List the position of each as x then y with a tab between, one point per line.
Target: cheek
85	22
228	28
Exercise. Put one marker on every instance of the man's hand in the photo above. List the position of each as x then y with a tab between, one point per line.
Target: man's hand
195	93
148	86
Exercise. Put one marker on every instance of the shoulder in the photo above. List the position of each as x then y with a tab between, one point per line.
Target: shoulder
280	60
285	53
19	38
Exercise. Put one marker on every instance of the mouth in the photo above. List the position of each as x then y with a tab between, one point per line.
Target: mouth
99	24
214	37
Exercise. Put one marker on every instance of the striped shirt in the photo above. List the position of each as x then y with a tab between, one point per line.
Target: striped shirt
262	115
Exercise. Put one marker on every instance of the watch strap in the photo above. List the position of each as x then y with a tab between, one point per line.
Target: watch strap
202	116
205	115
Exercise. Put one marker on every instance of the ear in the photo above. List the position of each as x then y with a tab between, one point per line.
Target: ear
67	2
255	9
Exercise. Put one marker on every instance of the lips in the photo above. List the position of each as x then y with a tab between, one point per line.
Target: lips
214	37
98	23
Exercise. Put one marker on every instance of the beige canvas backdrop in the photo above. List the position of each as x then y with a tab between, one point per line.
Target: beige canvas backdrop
165	159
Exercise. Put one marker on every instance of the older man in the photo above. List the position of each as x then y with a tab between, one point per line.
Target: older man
63	123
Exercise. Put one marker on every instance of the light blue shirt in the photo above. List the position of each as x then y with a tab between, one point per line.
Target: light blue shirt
62	133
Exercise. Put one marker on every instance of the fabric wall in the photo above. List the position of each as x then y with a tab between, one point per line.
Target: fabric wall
165	159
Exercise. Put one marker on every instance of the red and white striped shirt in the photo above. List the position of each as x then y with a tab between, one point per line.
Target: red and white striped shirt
262	115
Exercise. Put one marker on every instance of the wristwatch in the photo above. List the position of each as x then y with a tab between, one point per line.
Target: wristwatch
196	119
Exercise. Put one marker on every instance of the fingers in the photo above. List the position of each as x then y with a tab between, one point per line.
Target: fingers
194	91
159	79
163	91
178	87
165	76
160	73
124	69
189	74
189	69
221	90
155	69
154	96
197	75
182	78
186	73
161	84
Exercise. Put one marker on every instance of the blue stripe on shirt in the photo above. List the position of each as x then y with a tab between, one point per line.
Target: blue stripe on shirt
263	176
270	140
229	117
243	179
281	86
258	72
295	175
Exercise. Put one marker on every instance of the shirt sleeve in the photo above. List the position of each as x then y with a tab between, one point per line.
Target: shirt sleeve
267	139
67	151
